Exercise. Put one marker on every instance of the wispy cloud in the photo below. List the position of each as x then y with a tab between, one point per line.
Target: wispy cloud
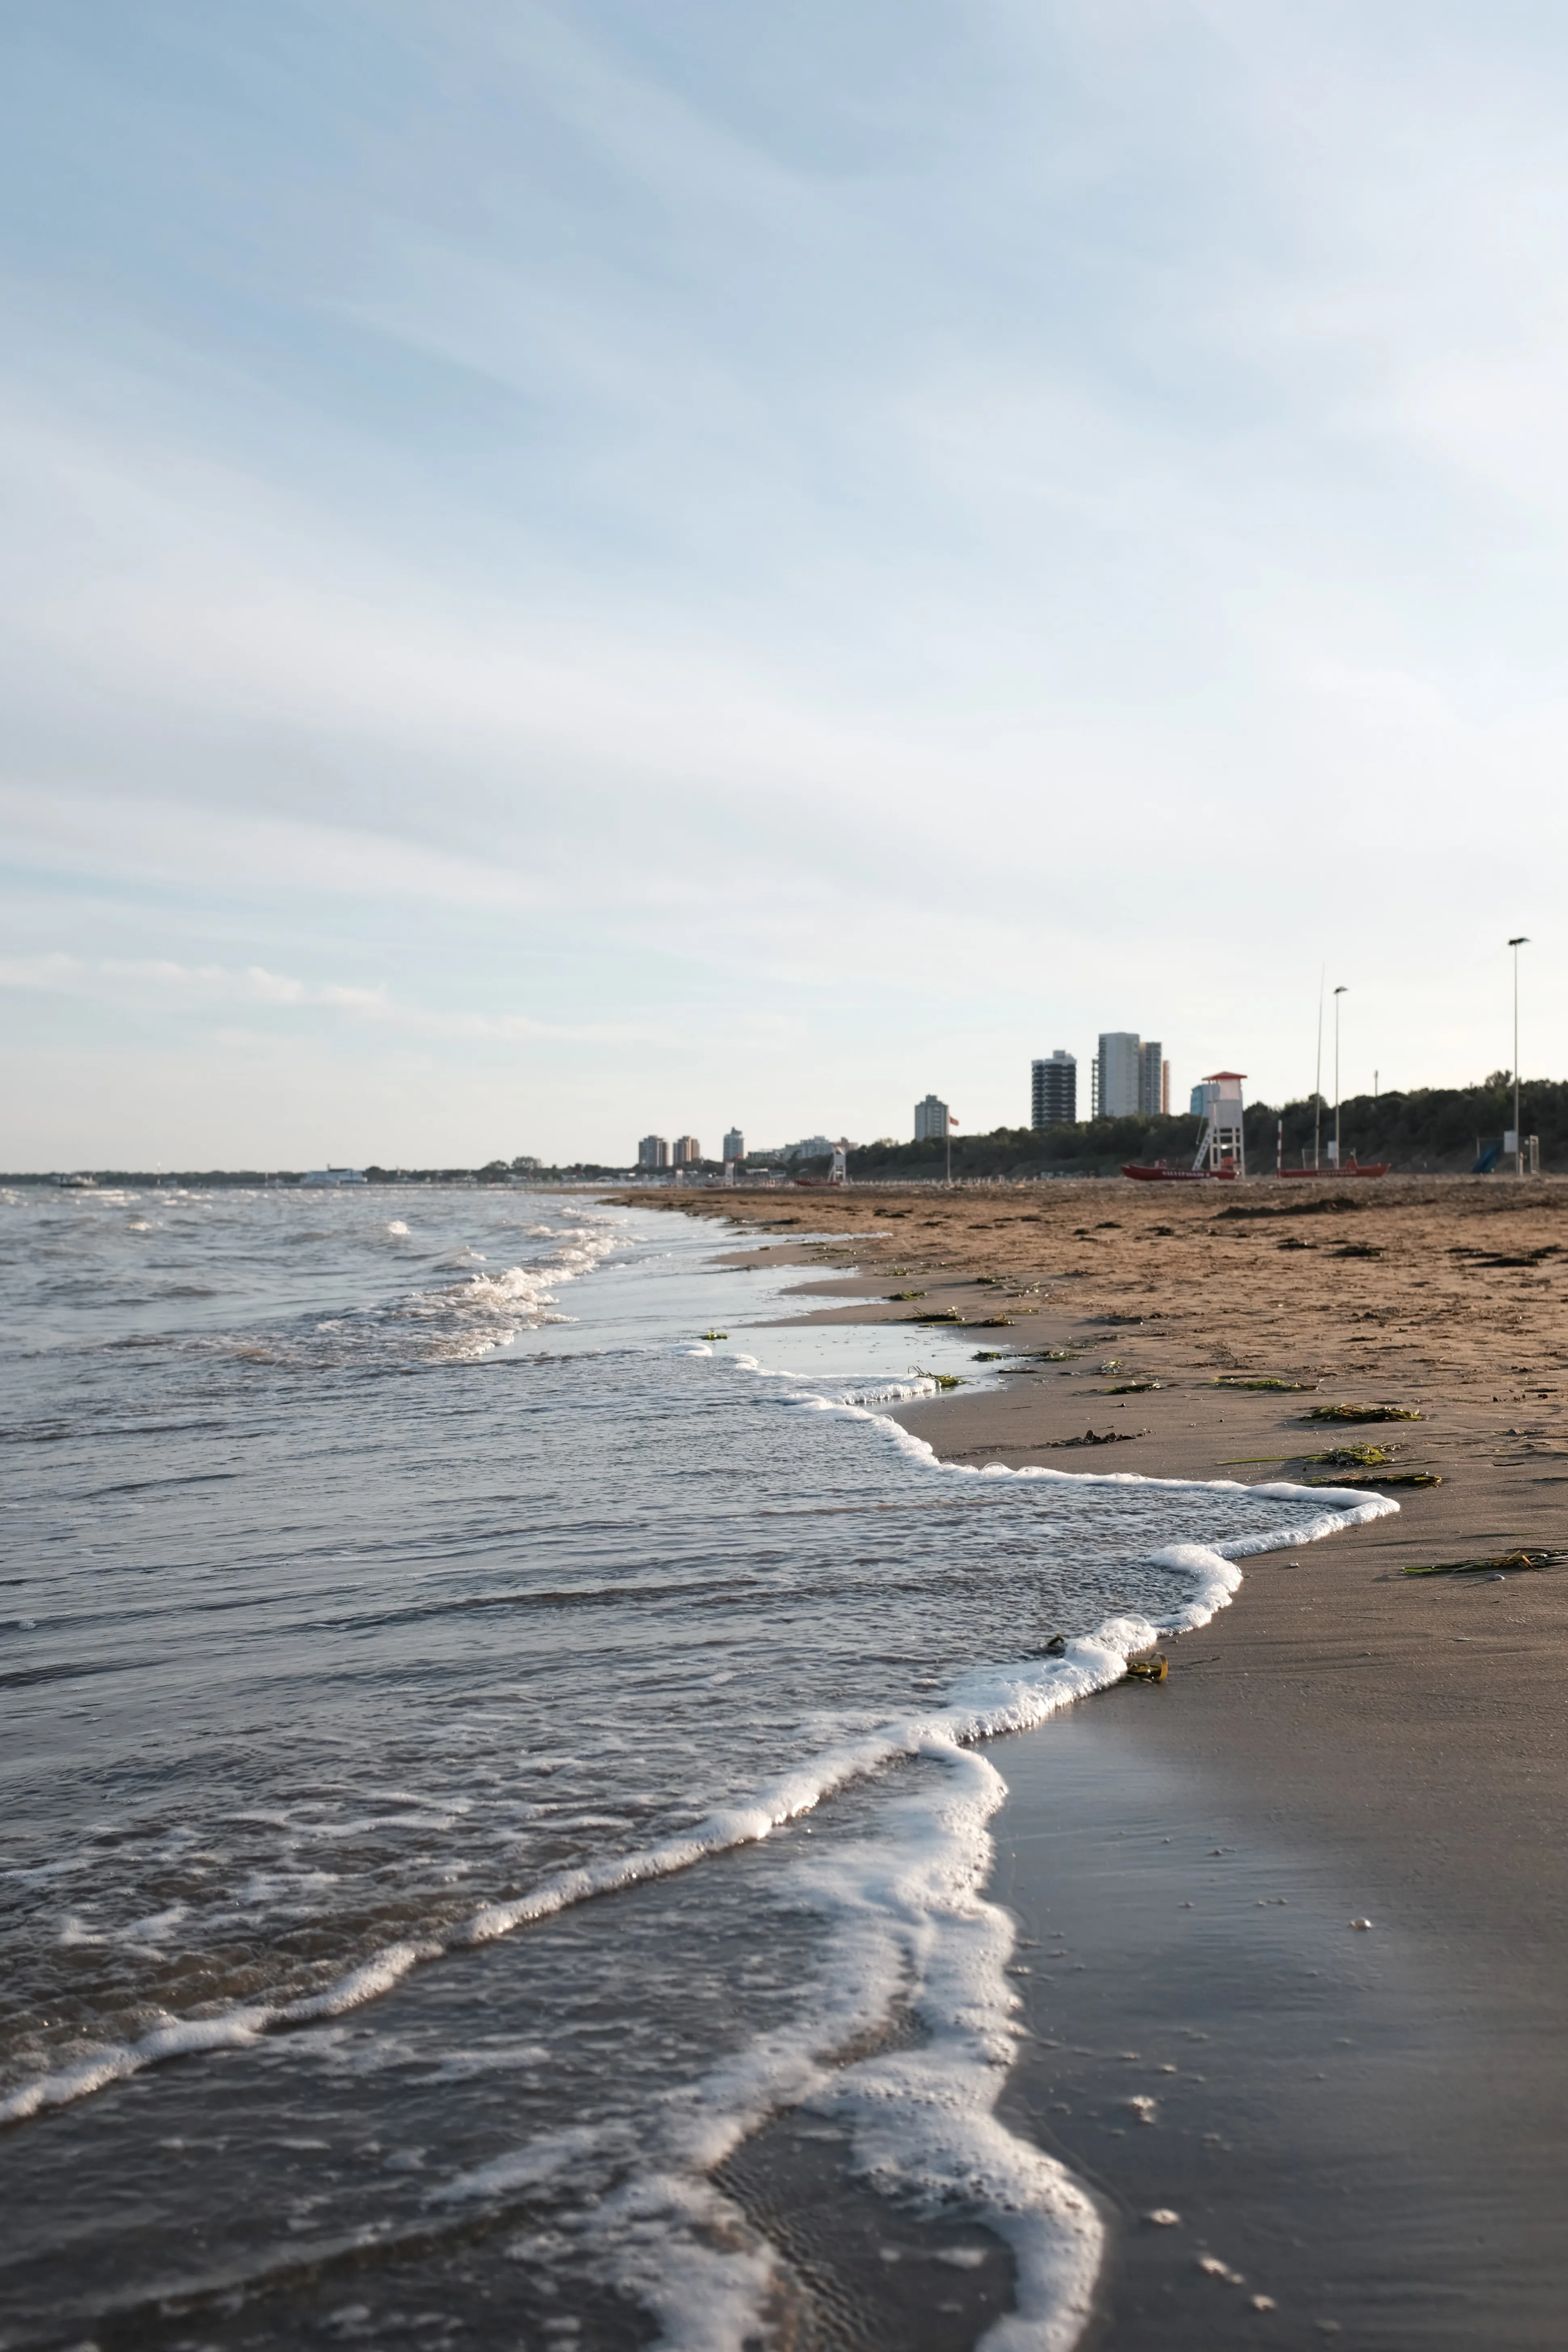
217	989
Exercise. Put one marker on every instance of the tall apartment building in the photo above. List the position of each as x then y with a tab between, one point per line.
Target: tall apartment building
686	1152
653	1151
1053	1090
734	1146
1131	1077
1116	1075
931	1120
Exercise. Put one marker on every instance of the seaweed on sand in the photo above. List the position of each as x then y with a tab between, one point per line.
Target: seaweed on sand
1278	1387
1503	1560
1388	1478
1363	1413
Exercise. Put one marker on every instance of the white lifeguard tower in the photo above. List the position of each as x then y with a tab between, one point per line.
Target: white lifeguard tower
1222	1147
839	1172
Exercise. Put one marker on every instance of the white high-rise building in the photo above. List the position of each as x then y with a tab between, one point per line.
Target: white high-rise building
734	1146
1131	1077
1116	1075
931	1120
1153	1080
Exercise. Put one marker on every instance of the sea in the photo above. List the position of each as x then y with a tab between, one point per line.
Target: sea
499	1735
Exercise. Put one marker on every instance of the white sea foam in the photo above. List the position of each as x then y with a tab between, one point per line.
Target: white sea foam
908	1923
472	1317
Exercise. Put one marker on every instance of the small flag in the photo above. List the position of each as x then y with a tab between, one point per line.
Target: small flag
950	1120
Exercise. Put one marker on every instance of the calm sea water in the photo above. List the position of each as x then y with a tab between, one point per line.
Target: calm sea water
474	1749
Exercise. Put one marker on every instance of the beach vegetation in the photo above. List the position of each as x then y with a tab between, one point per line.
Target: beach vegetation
1387	1479
1352	1457
715	1335
909	1294
1363	1413
1504	1560
940	1379
1277	1388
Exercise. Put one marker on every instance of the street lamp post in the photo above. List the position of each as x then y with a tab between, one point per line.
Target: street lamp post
1338	993
1318	1083
1522	941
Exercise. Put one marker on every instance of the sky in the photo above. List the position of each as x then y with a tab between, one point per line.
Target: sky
574	570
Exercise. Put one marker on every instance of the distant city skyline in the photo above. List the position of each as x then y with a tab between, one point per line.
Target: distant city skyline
561	563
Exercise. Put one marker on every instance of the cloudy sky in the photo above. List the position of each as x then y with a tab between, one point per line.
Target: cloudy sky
648	563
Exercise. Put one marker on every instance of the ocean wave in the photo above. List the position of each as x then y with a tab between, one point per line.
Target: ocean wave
982	1704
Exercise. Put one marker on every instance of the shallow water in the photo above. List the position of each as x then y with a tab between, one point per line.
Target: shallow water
503	1746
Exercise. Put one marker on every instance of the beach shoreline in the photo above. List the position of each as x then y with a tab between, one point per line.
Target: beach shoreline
1394	1742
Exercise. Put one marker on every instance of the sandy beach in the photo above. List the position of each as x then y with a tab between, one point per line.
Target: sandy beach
1371	2148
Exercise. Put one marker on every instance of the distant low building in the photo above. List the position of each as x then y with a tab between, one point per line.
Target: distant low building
333	1176
810	1146
686	1152
1053	1090
653	1151
734	1146
931	1118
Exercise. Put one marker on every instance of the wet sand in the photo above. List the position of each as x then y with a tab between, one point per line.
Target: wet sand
1378	2143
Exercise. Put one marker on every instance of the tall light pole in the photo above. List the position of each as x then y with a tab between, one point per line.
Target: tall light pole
1318	1078
1522	941
1338	993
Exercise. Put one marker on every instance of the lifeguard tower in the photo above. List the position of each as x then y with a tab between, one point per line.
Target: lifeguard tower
1222	1147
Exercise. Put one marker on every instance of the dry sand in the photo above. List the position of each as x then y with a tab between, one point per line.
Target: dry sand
1387	1746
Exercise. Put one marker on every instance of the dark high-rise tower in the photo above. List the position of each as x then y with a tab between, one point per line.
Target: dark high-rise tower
1054	1092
